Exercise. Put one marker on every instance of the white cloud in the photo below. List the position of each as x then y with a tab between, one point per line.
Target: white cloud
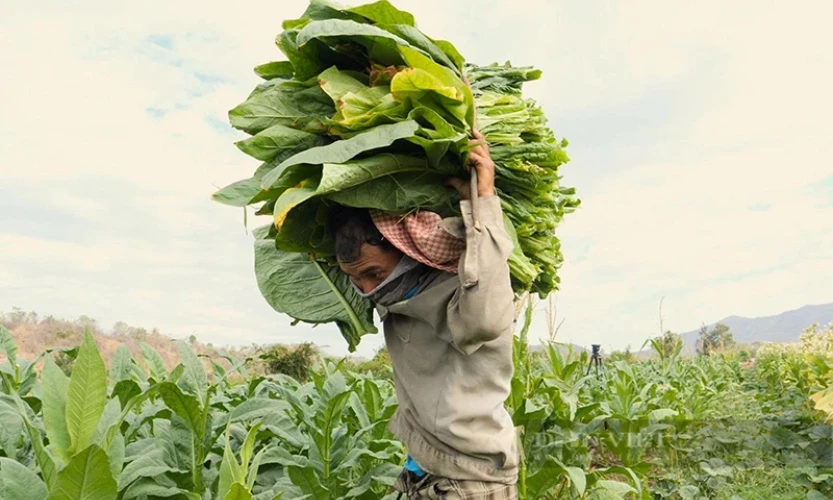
693	233
118	134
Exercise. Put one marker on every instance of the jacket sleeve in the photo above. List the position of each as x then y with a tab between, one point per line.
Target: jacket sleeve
482	307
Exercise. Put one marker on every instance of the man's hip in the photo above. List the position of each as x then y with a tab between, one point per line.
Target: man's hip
410	486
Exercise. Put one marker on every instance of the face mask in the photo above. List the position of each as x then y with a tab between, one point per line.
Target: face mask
406	275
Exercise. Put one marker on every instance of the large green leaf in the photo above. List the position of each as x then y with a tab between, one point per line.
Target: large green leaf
150	464
238	492
121	367
246	452
185	405
577	478
334	178
401	192
87	395
180	444
367	108
254	408
451	51
176	439
195	377
382	12
45	460
248	191
322	434
306	479
125	390
110	417
154	361
344	150
279	455
781	438
305	230
270	142
285	428
230	469
115	453
359	410
372	400
545	479
305	109
381	45
325	9
308	290
612	489
384	473
414	83
18	481
55	392
337	84
460	105
275	69
661	414
418	39
8	345
11	429
239	193
86	477
148	488
313	57
290	199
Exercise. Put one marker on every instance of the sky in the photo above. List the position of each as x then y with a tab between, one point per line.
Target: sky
699	133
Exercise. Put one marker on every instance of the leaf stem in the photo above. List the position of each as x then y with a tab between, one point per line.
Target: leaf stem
354	318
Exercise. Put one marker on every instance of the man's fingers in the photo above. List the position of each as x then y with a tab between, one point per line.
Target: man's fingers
477	145
460	185
479	151
479	158
480	137
456	183
475	157
479	140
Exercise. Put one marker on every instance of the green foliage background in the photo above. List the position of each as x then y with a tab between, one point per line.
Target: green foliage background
669	427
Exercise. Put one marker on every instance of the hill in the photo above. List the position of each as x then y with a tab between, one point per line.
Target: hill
34	334
784	327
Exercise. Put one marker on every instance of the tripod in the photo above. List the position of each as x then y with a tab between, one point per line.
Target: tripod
595	359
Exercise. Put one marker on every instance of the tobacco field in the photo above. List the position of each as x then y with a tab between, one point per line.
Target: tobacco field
670	427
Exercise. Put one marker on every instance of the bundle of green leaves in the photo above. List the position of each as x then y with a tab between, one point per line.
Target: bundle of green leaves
369	112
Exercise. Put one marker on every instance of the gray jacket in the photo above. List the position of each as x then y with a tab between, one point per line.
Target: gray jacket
451	348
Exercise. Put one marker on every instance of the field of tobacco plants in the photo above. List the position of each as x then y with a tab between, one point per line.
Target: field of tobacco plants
671	427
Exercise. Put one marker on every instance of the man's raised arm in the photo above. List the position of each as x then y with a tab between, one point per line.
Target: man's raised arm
482	308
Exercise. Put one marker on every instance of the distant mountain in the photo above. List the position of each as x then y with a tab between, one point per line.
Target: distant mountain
784	327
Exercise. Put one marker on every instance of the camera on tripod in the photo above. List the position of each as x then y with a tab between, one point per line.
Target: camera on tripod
595	359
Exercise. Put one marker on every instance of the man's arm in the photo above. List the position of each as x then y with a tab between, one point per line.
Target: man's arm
482	311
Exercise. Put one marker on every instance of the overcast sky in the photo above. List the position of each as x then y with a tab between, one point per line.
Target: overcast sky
699	133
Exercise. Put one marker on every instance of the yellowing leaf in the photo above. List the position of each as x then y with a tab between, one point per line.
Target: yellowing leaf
413	83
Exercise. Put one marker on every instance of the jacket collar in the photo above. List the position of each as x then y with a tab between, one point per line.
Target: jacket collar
424	305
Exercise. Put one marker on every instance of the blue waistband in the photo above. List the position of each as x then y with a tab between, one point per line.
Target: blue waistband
411	465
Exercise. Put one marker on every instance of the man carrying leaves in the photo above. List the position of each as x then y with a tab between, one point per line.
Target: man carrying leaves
448	327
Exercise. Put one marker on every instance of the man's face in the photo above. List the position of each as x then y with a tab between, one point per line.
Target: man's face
372	267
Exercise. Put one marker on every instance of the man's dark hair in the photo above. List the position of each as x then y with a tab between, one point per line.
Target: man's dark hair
352	227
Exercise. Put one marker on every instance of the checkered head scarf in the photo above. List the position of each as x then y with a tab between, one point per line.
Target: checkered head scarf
421	237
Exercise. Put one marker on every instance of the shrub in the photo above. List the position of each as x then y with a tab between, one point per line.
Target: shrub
293	361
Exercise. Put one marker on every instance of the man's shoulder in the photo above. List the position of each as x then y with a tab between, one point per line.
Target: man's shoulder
434	278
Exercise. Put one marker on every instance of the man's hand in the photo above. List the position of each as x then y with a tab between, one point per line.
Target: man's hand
481	160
